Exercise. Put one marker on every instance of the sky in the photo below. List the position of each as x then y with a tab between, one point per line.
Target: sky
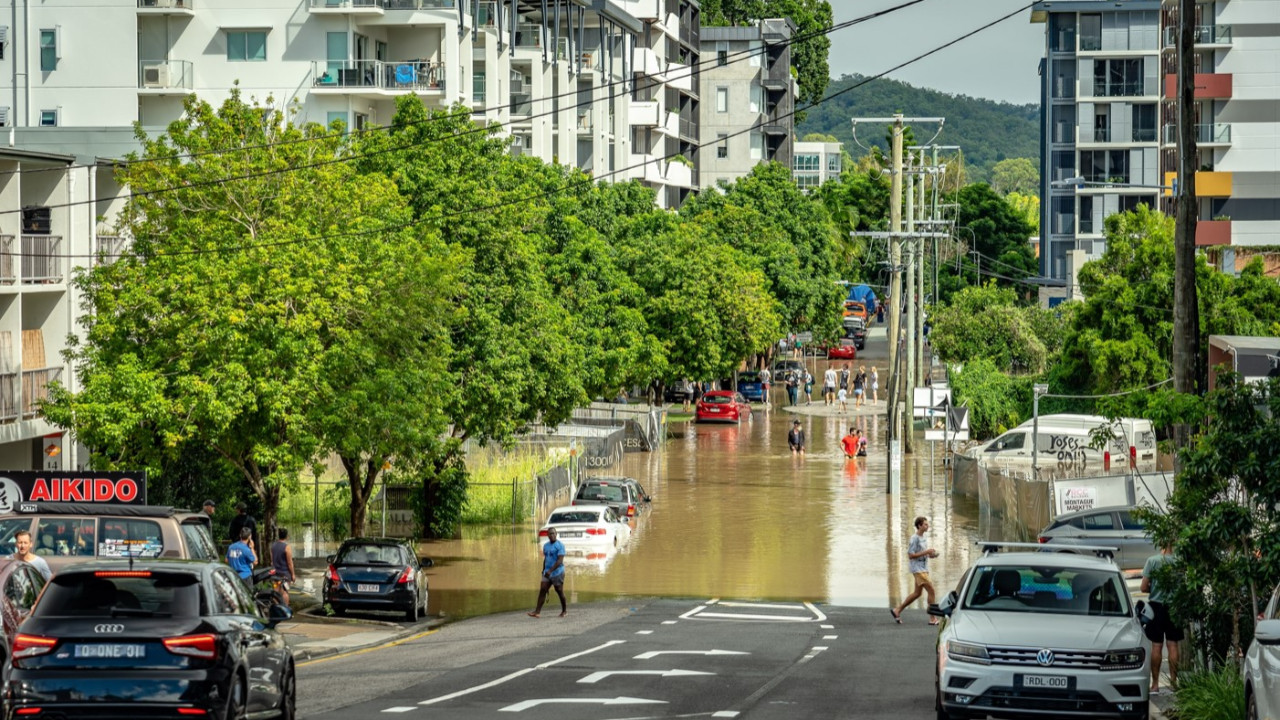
999	63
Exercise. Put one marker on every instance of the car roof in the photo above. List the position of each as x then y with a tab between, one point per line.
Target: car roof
576	508
108	509
718	392
1081	513
1046	559
155	564
610	478
373	541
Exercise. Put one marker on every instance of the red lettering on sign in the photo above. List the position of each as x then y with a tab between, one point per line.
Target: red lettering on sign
40	491
126	490
103	490
73	490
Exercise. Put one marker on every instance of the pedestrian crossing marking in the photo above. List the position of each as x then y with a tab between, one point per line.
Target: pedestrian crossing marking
772	612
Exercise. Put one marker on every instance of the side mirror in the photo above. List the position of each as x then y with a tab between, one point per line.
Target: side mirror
1000	445
330	559
278	614
1267	632
947	606
426	562
1146	614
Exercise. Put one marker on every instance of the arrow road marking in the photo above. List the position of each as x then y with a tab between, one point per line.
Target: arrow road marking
518	673
598	676
596	701
655	653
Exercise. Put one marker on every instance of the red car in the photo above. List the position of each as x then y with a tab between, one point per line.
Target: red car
842	352
21	585
723	406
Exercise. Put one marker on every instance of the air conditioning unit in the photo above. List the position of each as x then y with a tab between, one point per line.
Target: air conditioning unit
155	76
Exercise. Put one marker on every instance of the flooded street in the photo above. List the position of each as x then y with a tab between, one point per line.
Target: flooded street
735	515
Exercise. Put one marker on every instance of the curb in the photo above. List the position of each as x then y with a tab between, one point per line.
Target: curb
311	615
309	654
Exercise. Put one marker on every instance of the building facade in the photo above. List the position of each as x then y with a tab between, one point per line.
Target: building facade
1237	94
816	162
749	91
561	76
1101	95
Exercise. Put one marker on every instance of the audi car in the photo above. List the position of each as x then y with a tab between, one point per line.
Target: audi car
377	574
153	638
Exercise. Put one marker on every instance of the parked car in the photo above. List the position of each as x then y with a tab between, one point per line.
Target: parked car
621	496
1116	527
65	533
750	386
641	494
150	638
782	367
587	525
1262	665
854	308
377	574
855	329
723	406
21	584
679	391
842	352
1046	634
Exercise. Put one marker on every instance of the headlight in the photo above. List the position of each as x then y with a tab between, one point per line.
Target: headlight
1130	659
964	652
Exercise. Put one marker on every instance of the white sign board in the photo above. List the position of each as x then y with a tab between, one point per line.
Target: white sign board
946	435
927	399
1074	499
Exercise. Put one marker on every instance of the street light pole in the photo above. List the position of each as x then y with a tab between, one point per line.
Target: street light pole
1037	390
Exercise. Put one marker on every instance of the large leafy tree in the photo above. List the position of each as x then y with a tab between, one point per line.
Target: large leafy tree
1016	175
989	322
255	258
999	233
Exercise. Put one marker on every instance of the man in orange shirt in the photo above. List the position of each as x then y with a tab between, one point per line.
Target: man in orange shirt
850	444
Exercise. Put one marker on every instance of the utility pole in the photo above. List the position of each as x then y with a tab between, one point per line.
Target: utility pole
908	382
1186	320
895	258
920	369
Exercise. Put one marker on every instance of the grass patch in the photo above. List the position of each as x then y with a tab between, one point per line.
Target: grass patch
1211	694
500	485
298	506
679	416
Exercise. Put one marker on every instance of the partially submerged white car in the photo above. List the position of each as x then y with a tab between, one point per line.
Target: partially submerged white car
1034	633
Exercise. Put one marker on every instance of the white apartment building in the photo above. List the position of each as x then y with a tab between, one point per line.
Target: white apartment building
816	162
561	76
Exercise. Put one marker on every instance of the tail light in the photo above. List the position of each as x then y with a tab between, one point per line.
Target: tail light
542	533
1043	539
25	646
204	647
631	510
333	575
405	576
192	712
1133	456
596	531
1106	460
28	711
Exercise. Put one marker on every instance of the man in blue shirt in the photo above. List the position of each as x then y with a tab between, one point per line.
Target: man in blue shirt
552	573
241	557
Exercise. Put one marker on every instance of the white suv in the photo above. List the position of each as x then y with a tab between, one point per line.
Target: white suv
1042	634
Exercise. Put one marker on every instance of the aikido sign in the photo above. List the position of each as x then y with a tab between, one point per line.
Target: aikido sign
122	488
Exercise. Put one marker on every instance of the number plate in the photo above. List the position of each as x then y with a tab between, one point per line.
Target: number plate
571	534
713	409
1046	682
111	651
368	588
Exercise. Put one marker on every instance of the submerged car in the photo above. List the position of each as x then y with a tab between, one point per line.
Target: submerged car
587	525
751	386
624	497
723	406
377	574
1042	634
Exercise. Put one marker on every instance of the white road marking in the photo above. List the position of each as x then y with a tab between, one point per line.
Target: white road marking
725	713
745	616
817	649
668	622
400	709
828	627
792	606
699	614
594	701
830	637
655	653
518	673
598	676
644	632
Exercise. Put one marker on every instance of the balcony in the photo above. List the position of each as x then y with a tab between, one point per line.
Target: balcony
1103	88
345	7
643	113
645	62
585	125
110	248
10	396
1213	232
166	77
777	77
679	174
670	125
529	35
689	35
167	7
689	129
1206	36
521	104
38	264
679	76
1207	135
376	77
35	387
1213	184
1209	86
647	168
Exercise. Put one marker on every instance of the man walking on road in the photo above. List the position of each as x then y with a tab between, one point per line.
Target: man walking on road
765	377
795	438
552	573
1161	631
919	553
829	385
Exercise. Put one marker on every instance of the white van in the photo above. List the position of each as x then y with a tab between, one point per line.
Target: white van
1066	441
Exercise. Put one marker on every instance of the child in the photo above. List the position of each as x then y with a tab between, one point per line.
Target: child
862	444
843	396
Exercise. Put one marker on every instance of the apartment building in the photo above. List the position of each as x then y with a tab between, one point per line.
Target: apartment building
816	162
1101	92
561	76
748	117
1237	95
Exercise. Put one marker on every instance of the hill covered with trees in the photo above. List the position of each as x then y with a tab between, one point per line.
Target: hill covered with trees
986	130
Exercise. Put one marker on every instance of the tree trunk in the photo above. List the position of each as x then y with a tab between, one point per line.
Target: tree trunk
361	484
270	510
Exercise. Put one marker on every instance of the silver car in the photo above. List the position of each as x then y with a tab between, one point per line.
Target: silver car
1261	668
1042	634
1116	527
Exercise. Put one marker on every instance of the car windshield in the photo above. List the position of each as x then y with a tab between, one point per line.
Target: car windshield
1064	591
717	399
607	493
749	378
120	594
10	527
361	554
576	516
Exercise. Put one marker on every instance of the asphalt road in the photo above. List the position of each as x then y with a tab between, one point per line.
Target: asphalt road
658	659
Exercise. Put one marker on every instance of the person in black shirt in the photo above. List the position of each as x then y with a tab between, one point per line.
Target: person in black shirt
795	438
244	520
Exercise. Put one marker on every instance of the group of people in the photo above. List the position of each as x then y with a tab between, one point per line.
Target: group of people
242	554
836	386
854	444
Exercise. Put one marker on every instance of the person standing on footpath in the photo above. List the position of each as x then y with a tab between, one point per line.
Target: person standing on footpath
918	553
859	387
243	520
1162	632
844	378
241	558
552	573
875	385
793	387
795	438
282	562
808	388
22	546
829	385
765	377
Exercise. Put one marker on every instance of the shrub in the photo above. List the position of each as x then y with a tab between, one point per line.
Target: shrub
996	401
1211	694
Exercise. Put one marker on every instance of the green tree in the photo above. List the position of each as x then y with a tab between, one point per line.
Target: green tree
1027	205
997	401
1018	174
988	322
858	200
1000	235
813	20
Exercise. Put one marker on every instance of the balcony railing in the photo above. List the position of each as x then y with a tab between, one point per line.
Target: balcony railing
689	129
1204	35
1102	88
353	5
167	5
486	14
584	122
110	248
40	260
409	75
166	75
10	396
521	104
418	4
1102	134
35	387
478	85
1089	43
8	262
1206	134
528	35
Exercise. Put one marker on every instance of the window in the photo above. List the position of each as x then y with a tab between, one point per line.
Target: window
65	536
722	54
48	118
247	46
335	56
1101	521
4	39
756	49
1086	214
1144	123
757	98
1010	441
1090	32
200	545
808	162
223	597
21	590
722	99
757	146
124	538
722	146
333	117
1129	522
833	163
49	50
806	181
82	594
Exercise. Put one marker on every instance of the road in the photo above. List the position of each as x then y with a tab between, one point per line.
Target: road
656	659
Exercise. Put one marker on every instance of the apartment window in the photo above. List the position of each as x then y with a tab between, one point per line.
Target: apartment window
1090	32
1144	123
807	162
722	99
755	50
333	117
722	54
1086	214
722	146
48	118
335	49
757	146
807	182
757	98
833	164
49	50
4	39
247	45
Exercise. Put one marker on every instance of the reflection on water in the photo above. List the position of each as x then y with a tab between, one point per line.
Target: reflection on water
735	515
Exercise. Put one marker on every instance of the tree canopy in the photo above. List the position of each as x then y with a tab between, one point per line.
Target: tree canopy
1020	175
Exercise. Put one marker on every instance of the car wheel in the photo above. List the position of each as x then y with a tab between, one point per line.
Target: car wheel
237	700
1251	706
411	615
289	695
937	706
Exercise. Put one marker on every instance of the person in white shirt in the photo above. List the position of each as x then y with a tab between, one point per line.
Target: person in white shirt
829	385
22	543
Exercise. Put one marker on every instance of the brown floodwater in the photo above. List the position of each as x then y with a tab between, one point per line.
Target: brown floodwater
735	515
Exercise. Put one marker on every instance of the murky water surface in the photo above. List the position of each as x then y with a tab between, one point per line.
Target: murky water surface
735	515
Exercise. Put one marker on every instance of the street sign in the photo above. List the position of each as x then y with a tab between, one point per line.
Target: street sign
926	401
